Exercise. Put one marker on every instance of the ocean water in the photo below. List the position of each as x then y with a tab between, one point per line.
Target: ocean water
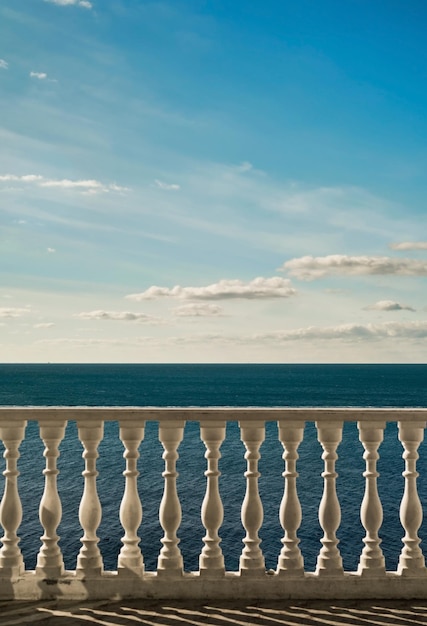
215	385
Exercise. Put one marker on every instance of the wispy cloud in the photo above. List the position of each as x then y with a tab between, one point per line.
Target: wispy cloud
345	333
79	342
198	310
351	332
167	186
13	312
245	166
409	245
44	325
4	65
90	186
85	4
227	192
81	185
121	316
65	183
51	250
42	76
311	268
274	287
388	305
39	75
26	178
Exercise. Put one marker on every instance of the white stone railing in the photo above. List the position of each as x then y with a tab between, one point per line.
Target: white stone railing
211	581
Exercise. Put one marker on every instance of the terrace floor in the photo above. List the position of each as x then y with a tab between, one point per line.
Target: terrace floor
173	613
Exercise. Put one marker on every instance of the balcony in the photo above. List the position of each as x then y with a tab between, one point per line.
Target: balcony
251	579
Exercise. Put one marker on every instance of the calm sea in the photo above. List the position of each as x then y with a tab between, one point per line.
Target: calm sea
215	385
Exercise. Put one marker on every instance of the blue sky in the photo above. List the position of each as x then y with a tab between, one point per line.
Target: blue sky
196	181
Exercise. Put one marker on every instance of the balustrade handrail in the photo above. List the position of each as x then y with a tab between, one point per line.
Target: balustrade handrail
252	580
227	413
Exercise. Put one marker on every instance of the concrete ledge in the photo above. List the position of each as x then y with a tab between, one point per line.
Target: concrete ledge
110	586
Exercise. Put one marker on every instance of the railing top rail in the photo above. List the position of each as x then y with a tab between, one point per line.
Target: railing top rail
193	413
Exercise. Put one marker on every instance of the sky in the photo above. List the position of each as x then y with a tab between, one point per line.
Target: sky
213	181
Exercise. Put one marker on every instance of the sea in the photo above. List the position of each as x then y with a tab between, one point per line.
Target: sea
245	385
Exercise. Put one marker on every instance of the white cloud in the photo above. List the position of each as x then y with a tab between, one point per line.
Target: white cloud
352	332
30	178
388	305
39	75
65	183
311	268
85	4
409	245
342	333
44	325
114	187
345	333
245	166
83	185
78	342
13	312
274	287
51	250
4	65
122	316
27	178
168	186
198	310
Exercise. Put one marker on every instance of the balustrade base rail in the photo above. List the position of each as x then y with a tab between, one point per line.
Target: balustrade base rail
252	581
191	586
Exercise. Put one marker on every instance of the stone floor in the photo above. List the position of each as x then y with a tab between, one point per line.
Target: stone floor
172	613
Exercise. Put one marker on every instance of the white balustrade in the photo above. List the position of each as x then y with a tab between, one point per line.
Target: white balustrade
252	559
130	557
11	561
170	560
291	562
89	560
211	561
329	561
290	580
49	559
411	560
372	562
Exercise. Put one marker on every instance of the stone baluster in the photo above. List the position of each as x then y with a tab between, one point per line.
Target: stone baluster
211	560
329	561
11	561
372	561
50	563
252	558
89	560
411	561
291	562
130	558
170	560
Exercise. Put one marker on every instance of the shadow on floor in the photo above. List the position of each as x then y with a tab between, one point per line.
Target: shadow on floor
172	613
